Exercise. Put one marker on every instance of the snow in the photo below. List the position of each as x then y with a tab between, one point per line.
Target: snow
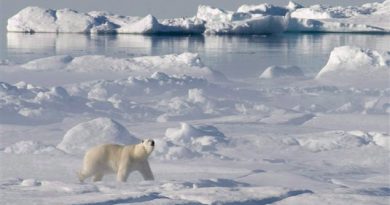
281	71
288	138
248	19
94	132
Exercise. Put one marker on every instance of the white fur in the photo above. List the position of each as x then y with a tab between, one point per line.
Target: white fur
119	159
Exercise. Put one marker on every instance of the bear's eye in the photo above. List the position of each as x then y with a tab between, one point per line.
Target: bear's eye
142	141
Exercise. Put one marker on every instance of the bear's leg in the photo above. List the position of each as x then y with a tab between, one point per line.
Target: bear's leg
145	170
98	177
123	172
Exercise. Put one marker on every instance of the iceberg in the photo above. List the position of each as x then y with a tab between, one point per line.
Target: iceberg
219	21
36	19
248	19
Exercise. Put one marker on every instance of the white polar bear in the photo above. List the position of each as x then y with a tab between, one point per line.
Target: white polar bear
119	159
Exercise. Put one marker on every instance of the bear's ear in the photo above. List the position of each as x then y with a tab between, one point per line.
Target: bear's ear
142	141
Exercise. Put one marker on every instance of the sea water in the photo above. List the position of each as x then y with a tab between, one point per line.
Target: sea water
238	57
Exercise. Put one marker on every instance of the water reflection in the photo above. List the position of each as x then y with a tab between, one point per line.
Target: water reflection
240	56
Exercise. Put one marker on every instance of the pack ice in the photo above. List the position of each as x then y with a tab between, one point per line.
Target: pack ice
248	19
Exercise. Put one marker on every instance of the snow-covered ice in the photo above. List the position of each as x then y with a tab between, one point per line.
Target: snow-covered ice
218	141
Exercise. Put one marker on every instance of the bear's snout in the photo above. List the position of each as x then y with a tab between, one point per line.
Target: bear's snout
152	143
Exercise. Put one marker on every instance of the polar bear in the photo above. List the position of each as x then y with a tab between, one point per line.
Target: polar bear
119	159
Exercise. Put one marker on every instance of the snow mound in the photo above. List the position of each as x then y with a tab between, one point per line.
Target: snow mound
353	64
185	63
219	21
195	105
91	133
189	141
35	19
281	71
29	147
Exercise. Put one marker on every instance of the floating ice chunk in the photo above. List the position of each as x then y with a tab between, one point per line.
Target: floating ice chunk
282	71
35	19
91	133
227	22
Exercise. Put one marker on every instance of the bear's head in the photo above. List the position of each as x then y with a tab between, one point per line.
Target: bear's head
148	145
